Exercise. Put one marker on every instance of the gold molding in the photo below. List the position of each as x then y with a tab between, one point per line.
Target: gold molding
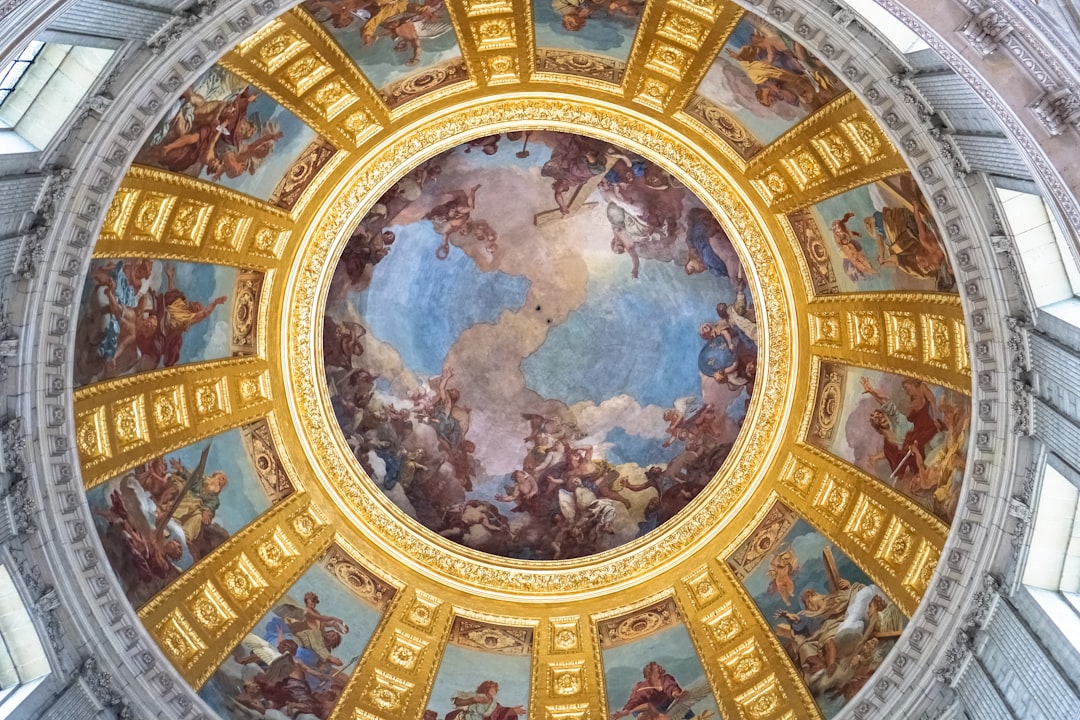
701	591
750	672
641	82
896	542
893	540
922	335
495	37
671	56
566	678
175	217
837	148
396	673
369	508
123	422
302	67
556	68
202	616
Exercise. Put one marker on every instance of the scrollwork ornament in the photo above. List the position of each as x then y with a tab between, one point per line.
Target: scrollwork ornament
12	446
957	656
101	685
9	339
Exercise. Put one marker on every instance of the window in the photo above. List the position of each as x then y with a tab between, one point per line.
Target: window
891	30
1045	253
23	663
15	69
1052	573
41	88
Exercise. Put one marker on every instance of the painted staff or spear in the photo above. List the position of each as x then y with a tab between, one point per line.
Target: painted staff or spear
195	476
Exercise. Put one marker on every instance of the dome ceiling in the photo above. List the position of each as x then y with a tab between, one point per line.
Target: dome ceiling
540	354
481	361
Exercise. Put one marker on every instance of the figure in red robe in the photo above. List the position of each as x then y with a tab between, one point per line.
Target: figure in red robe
657	691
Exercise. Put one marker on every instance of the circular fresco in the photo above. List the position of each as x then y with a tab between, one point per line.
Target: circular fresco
540	345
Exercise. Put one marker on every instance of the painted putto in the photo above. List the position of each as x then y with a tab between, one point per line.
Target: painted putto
540	345
590	26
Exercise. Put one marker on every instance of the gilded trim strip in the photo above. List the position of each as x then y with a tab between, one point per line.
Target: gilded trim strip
121	423
202	616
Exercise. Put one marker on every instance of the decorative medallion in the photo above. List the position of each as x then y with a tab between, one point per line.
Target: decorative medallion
540	345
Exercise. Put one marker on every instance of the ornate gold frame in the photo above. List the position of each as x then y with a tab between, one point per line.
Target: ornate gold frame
461	567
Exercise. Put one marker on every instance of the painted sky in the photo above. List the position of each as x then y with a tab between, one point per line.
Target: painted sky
209	339
463	669
544	318
242	499
334	600
604	32
218	84
422	313
672	648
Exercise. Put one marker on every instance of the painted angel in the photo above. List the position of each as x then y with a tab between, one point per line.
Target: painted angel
684	418
856	264
782	569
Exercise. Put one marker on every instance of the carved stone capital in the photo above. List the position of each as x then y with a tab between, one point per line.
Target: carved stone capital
1021	408
12	446
1017	343
31	253
950	151
986	29
962	649
180	25
1057	110
22	508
